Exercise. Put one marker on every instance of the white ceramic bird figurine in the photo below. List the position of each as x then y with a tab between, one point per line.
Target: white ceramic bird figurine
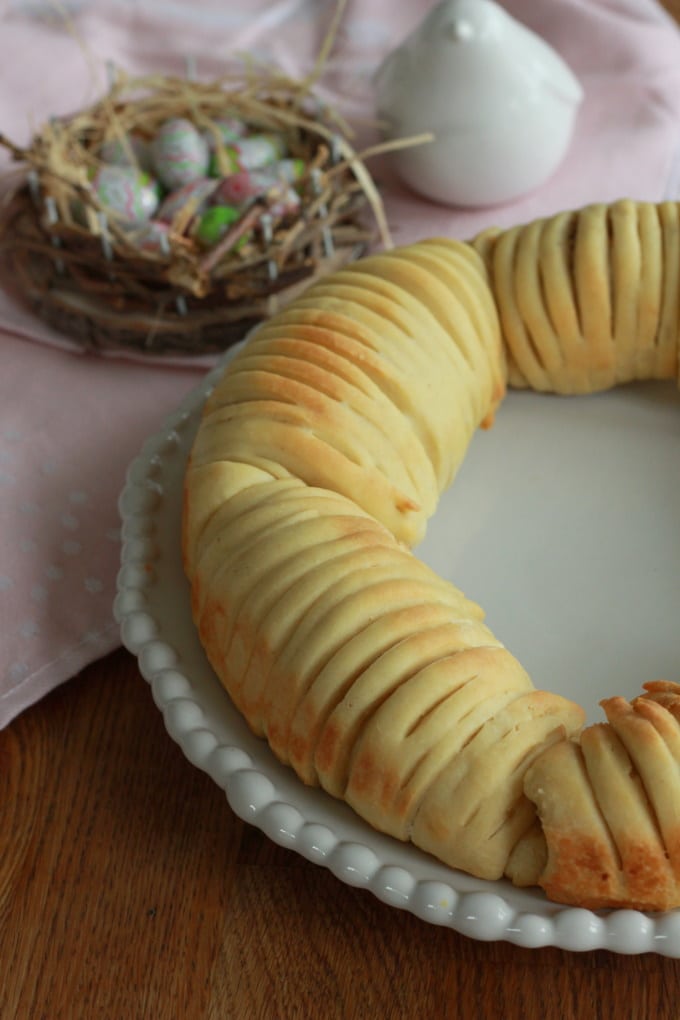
499	100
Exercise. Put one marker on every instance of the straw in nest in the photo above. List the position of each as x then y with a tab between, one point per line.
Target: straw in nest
82	270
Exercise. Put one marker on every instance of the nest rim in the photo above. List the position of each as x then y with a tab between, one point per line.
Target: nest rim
90	280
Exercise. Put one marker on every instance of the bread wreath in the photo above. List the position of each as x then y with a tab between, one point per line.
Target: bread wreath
320	455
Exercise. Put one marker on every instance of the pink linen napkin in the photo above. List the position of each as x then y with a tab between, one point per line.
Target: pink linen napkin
68	430
70	423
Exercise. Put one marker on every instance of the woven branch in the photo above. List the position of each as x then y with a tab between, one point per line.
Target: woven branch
78	268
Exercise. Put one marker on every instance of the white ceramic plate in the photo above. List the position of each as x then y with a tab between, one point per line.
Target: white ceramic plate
562	524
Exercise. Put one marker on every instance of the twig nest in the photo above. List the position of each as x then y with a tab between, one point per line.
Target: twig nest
172	215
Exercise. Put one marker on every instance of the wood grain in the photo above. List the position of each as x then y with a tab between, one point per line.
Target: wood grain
128	889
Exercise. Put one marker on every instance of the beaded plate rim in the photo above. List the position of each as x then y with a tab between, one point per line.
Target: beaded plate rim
152	610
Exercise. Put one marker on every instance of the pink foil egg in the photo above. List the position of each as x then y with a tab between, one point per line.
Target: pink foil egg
282	200
180	153
246	184
126	192
240	187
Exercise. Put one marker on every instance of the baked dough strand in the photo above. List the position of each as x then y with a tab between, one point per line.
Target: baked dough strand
588	299
322	452
609	807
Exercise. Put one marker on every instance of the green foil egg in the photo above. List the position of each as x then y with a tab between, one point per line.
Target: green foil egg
213	224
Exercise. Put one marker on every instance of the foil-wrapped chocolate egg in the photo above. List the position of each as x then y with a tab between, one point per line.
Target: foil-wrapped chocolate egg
248	154
247	184
180	153
246	187
214	223
152	237
126	192
286	204
192	196
133	151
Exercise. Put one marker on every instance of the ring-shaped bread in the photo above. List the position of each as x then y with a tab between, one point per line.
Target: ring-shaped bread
319	458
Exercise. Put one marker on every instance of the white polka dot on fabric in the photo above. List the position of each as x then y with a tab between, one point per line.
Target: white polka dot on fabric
28	545
29	628
38	593
93	585
71	547
70	522
78	497
54	572
6	582
49	467
29	507
12	434
17	671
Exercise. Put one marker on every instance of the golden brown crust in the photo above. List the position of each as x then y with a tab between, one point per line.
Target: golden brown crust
610	809
320	456
589	298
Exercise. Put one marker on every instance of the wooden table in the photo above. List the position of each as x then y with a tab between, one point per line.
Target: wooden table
129	890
